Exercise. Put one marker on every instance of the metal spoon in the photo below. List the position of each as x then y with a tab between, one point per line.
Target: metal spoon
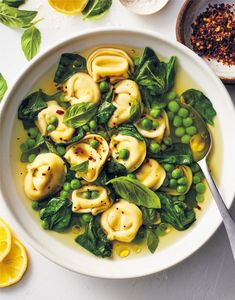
144	7
201	158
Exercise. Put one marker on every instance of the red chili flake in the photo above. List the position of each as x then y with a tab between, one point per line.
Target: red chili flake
60	112
198	207
44	174
213	35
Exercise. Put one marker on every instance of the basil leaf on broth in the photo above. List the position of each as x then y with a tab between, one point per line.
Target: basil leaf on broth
82	167
79	114
135	192
3	86
30	42
96	9
152	240
14	3
69	64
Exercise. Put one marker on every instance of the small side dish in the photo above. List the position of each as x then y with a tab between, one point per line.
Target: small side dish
112	151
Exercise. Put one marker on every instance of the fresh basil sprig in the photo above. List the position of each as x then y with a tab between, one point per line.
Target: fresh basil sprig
30	42
96	9
82	167
3	86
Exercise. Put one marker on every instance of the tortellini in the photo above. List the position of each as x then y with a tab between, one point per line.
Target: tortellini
45	176
93	206
81	88
83	152
121	221
160	132
151	174
62	132
109	62
135	147
126	95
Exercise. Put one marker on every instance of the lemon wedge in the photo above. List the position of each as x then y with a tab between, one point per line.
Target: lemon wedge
5	240
13	266
68	7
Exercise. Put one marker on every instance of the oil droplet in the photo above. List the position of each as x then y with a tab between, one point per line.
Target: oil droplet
124	253
137	249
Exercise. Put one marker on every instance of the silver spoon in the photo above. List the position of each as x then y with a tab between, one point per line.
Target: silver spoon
144	7
201	158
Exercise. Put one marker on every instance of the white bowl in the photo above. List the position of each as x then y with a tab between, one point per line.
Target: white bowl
67	256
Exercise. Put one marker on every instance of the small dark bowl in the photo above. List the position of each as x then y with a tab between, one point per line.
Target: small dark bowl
187	15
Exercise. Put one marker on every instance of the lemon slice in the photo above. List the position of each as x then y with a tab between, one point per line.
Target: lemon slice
13	266
68	7
5	240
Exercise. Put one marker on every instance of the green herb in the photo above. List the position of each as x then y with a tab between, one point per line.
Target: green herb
148	55
50	146
30	42
102	178
135	111
82	167
96	9
95	240
39	142
80	133
152	240
69	64
80	114
135	192
3	86
56	215
105	111
170	73
130	130
190	198
148	215
14	3
114	167
201	104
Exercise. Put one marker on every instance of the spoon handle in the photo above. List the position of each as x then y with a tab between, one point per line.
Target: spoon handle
227	218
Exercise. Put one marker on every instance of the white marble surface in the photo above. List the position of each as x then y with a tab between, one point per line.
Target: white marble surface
208	274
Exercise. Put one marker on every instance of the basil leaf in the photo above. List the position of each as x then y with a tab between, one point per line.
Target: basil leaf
201	104
30	42
135	111
135	192
15	18
96	9
130	130
148	55
105	111
69	64
14	3
50	146
152	240
148	215
3	86
114	167
79	114
82	167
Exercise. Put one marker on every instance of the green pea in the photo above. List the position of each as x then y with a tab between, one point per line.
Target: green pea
24	147
195	168
155	112
180	131
177	173
60	150
104	86
196	179
94	144
173	183
155	124
182	180
181	197
200	188
31	158
183	112
35	205
131	175
170	115
67	186
168	167
44	225
124	153
33	132
155	147
167	141
200	174
93	124
86	128
191	130
30	142
173	106
86	195
171	95
64	194
200	198
86	218
146	124
136	61
50	127
181	188
185	139
177	121
187	121
75	184
53	120
94	195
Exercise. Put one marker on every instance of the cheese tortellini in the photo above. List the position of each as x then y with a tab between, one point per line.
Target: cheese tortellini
83	152
135	147
109	62
151	174
122	221
162	131
81	88
45	176
62	133
93	206
126	94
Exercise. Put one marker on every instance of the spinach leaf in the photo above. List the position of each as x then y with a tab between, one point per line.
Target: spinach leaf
31	106
82	167
135	192
3	86
14	3
105	111
176	213
201	104
79	114
148	55
130	130
69	64
170	73
30	42
178	153
190	198
96	9
135	111
95	240
15	18
115	168
148	99
57	214
148	215
152	240
102	178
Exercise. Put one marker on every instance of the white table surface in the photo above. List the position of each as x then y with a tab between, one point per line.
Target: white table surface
208	274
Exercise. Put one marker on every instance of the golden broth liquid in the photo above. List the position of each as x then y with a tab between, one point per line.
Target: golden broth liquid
183	82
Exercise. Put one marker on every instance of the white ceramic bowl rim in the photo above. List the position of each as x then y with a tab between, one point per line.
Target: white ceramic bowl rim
145	265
